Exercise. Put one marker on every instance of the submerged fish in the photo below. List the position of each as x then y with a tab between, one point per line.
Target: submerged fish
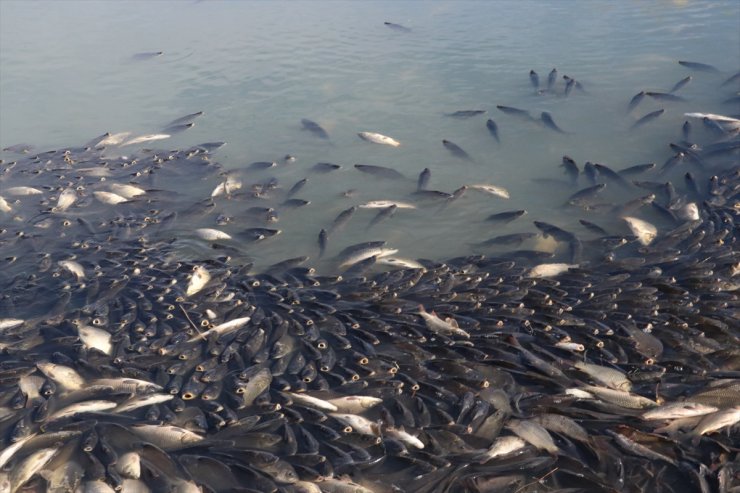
465	113
456	150
493	129
314	128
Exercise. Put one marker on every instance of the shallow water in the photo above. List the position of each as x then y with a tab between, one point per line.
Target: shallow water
68	73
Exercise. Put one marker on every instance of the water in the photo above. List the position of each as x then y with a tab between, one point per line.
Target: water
68	73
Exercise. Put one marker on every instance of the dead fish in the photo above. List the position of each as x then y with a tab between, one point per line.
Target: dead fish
22	191
95	338
66	199
384	204
644	231
210	234
109	197
198	280
10	323
678	410
447	326
550	270
73	267
145	138
377	138
223	328
314	128
380	171
93	406
456	150
648	118
491	189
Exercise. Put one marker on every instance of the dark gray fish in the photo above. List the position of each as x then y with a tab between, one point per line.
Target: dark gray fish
20	148
295	188
465	113
493	129
211	146
571	168
383	214
509	239
551	230
257	234
314	128
550	123
551	78
295	203
678	85
424	176
506	217
342	219
456	150
380	171
664	96
510	110
636	169
585	194
185	119
357	247
397	27
648	118
569	85
148	55
686	130
431	194
262	165
176	129
593	227
534	79
591	172
612	175
635	100
672	161
735	78
325	167
287	264
699	67
692	185
323	240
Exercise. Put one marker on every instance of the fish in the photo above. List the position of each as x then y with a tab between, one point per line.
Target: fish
323	240
718	420
493	129
166	437
466	113
185	119
510	110
384	204
210	234
502	446
585	194
357	423
447	326
533	433
145	138
648	118
22	191
365	253
137	402
534	79
64	376
377	138
314	402
66	199
551	78
550	270
109	197
222	328
636	169
129	465
380	171
423	180
506	217
456	150
32	464
74	267
5	206
176	129
400	262
397	27
92	406
342	219
491	189
314	128
699	67
93	337
644	231
198	280
383	214
297	187
550	123
611	377
620	398
571	168
678	410
403	436
663	96
147	55
10	323
681	83
325	167
635	100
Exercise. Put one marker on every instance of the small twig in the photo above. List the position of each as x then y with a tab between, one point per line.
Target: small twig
188	317
537	480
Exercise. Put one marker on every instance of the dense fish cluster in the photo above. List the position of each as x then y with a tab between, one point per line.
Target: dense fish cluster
142	351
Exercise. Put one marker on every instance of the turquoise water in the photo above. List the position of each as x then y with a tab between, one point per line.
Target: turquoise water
68	73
